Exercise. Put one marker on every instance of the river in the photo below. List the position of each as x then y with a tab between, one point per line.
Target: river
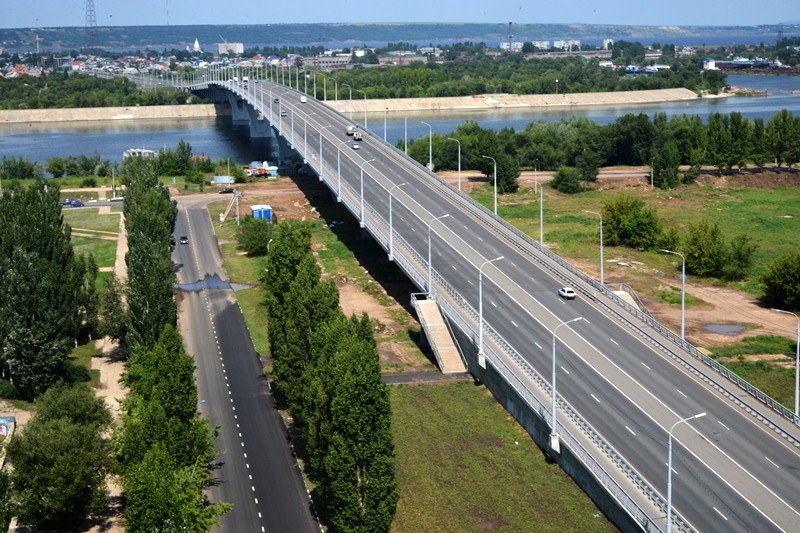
216	138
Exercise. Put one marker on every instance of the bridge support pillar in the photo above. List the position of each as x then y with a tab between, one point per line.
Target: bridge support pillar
239	114
259	125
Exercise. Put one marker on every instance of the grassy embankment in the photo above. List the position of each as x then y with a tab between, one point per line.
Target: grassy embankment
95	234
767	215
463	463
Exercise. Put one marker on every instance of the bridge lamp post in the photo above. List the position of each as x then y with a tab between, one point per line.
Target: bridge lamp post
430	146
797	362
459	160
351	99
391	232
365	106
336	91
683	290
602	282
339	170
495	181
361	217
481	354
305	135
321	159
385	118
555	445
541	215
669	469
430	259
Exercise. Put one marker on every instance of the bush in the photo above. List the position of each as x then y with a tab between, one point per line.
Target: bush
782	282
254	236
567	180
8	390
628	221
91	181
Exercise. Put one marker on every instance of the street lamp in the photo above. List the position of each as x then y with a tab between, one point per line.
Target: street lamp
797	362
321	158
365	106
361	218
481	354
339	170
555	445
391	233
556	86
351	99
385	117
459	160
430	146
683	290
430	259
495	182
305	135
541	215
669	469
602	282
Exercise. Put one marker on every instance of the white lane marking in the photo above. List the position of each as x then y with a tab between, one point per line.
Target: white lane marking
537	345
565	370
615	342
719	513
454	268
629	429
723	425
681	393
647	367
595	398
468	281
772	462
253	488
493	304
515	324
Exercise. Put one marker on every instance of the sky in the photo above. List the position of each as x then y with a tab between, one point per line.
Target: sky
46	13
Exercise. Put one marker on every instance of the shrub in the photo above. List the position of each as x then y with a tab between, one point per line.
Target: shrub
91	181
8	390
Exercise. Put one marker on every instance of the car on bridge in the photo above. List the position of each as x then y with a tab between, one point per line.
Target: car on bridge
567	293
356	146
283	113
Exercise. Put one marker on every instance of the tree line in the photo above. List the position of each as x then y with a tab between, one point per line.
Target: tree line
59	90
326	367
514	74
578	147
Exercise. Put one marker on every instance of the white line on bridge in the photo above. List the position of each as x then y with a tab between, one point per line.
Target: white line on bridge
681	393
537	345
772	462
615	342
595	398
629	429
719	513
494	304
565	370
723	425
647	367
515	324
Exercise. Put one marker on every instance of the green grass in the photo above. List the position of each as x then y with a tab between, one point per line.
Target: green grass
463	464
672	295
255	315
775	381
104	251
90	220
82	355
758	344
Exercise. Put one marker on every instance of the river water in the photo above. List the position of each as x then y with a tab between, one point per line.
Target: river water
216	138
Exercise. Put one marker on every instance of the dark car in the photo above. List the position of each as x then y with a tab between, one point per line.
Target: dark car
77	203
277	100
184	239
226	190
67	201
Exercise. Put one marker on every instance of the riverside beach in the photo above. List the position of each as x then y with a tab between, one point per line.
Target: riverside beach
450	103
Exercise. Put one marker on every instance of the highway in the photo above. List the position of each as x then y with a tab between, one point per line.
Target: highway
730	471
257	471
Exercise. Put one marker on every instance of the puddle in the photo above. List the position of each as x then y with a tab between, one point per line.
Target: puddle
725	329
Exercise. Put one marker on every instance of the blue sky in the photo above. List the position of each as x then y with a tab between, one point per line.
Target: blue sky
34	13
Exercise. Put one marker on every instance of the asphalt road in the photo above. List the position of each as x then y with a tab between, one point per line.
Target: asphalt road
730	472
257	471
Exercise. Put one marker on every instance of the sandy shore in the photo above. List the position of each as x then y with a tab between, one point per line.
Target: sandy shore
457	103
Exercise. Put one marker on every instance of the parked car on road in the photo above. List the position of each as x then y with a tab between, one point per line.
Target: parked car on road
567	293
226	190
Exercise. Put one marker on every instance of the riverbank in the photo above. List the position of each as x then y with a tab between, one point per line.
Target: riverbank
456	103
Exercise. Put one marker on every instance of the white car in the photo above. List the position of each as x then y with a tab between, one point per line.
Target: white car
567	293
356	146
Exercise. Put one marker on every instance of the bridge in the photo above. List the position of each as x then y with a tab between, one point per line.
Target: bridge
645	423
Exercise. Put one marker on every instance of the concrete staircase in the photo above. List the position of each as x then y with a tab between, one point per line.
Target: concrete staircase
432	322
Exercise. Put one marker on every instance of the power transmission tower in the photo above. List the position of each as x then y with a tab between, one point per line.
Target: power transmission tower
91	24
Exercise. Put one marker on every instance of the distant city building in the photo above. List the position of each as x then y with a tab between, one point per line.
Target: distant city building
327	62
196	48
567	44
541	45
230	48
515	46
709	63
608	44
607	64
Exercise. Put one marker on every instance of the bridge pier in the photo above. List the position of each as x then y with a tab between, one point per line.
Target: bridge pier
259	125
239	114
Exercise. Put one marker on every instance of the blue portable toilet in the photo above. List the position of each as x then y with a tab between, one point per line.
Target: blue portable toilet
262	212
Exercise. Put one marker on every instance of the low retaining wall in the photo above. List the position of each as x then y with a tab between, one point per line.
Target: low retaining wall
24	116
